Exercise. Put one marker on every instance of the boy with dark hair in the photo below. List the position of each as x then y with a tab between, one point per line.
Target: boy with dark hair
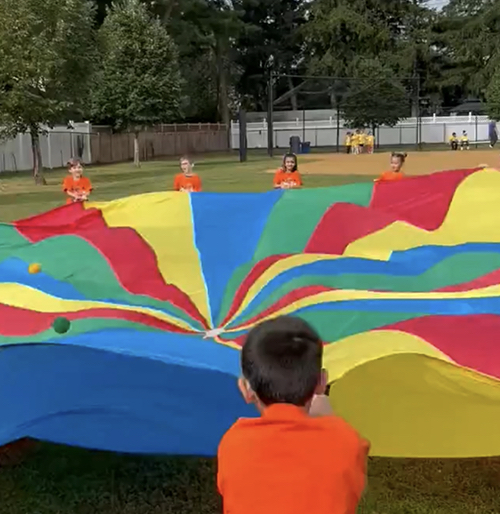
298	457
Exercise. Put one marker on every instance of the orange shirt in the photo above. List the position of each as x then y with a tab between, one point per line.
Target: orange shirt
289	462
390	175
187	183
289	180
83	185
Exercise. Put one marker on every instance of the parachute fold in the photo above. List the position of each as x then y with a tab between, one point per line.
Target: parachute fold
127	336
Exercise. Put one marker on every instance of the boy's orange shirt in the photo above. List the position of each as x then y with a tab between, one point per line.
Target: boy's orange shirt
293	179
187	183
390	175
83	185
289	462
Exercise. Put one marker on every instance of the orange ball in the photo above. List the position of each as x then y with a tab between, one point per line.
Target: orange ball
34	268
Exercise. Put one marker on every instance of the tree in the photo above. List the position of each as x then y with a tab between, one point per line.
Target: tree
271	35
471	40
204	31
375	97
46	55
493	96
138	82
339	32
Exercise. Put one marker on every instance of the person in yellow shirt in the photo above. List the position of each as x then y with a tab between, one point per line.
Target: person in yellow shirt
354	143
362	141
464	141
356	140
348	143
454	141
370	142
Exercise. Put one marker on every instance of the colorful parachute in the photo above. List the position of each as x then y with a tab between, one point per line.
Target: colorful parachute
401	279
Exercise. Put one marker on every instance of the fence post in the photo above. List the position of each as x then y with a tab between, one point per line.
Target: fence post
242	121
337	142
475	131
21	151
49	150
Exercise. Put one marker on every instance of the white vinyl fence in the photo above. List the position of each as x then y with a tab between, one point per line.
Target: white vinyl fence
323	133
58	146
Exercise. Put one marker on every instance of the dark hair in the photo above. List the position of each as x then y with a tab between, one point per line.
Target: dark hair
290	156
401	156
282	359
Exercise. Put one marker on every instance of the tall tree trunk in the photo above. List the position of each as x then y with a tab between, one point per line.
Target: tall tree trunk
224	110
293	97
37	156
137	157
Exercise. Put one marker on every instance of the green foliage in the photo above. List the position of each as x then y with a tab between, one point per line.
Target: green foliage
46	55
470	35
204	31
270	38
138	81
224	52
493	96
341	31
374	97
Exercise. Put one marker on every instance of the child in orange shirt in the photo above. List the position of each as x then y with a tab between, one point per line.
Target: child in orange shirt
395	173
298	457
187	181
76	186
288	176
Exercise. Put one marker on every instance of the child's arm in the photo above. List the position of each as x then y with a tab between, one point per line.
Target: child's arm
358	473
277	180
71	194
87	190
320	406
197	186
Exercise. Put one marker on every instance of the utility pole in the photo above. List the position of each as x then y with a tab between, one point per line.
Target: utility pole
270	110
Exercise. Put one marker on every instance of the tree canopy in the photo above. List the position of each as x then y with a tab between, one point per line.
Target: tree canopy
373	80
199	60
46	59
138	81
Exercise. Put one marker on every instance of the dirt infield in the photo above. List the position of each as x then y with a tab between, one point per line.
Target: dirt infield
417	163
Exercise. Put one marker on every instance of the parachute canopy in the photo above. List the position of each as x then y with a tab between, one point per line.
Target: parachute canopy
120	322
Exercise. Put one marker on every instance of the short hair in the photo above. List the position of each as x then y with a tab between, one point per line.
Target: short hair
282	361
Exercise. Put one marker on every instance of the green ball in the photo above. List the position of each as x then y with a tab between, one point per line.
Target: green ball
61	325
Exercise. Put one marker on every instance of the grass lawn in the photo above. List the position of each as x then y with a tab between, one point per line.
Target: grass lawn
60	480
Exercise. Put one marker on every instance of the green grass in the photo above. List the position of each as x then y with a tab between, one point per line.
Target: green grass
19	197
60	480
